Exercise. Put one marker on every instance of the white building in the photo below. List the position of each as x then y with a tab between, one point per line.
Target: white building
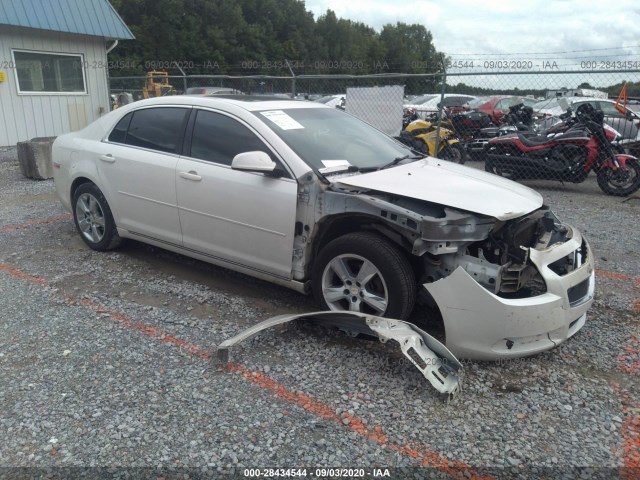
576	92
53	65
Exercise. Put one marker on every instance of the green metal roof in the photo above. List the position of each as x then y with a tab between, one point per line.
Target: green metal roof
96	18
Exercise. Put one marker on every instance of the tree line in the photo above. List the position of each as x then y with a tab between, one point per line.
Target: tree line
269	37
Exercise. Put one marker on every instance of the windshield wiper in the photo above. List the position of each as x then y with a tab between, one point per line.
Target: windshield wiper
392	163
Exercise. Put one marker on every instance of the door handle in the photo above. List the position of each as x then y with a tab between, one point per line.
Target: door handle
191	175
107	158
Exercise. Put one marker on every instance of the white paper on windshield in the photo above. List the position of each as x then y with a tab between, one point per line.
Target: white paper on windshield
334	166
281	119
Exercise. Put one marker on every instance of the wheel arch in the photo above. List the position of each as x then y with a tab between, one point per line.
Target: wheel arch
338	225
76	183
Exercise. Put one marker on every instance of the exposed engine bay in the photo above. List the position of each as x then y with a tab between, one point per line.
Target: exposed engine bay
500	263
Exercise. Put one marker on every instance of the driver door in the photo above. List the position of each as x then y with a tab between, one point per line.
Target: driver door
237	217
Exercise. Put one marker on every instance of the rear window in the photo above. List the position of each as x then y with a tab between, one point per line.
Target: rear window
119	133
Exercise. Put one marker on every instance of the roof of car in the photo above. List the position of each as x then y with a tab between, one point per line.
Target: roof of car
247	102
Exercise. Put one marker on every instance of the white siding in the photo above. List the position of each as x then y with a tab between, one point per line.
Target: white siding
25	116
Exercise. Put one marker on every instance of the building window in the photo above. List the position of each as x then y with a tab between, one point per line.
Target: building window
40	72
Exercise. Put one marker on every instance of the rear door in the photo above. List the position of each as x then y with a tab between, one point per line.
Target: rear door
242	218
137	167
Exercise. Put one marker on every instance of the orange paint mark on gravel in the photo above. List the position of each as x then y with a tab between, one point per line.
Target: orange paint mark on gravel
425	457
148	330
631	437
30	223
14	272
629	363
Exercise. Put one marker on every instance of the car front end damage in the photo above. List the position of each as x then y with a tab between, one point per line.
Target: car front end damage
522	290
505	288
519	299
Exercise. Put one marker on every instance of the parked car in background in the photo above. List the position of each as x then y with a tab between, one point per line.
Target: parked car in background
212	91
312	97
497	106
337	100
308	197
427	105
627	124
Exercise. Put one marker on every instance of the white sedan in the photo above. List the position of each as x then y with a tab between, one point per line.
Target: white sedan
309	197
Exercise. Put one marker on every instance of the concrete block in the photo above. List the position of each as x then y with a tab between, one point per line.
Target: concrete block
34	157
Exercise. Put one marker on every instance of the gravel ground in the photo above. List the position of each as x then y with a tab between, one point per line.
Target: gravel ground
106	361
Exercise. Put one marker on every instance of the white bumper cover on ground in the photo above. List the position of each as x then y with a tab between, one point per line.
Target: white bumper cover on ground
431	357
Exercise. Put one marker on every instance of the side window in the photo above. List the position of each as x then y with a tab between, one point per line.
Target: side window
119	133
218	138
609	109
157	128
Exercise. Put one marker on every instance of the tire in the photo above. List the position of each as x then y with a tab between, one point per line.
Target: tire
454	153
421	147
93	218
620	184
364	272
491	165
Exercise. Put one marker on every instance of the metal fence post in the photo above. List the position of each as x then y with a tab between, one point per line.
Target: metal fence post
293	79
440	105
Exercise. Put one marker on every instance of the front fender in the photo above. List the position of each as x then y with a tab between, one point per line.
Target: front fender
622	161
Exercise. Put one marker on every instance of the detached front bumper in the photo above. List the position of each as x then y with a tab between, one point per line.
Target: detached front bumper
482	326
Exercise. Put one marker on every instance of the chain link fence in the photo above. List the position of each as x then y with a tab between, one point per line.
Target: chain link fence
517	124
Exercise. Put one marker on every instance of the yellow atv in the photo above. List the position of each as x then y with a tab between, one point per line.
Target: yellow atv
421	136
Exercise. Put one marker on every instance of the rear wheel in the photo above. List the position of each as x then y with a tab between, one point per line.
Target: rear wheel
364	272
454	153
93	218
619	183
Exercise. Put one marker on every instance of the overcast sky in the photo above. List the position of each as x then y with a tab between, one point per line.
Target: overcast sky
491	28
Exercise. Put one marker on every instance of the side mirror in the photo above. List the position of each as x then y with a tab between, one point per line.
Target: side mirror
253	162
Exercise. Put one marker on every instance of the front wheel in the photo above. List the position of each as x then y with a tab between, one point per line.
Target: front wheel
454	153
364	272
619	183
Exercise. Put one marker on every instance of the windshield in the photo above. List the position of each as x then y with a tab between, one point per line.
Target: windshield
328	138
548	103
326	99
477	102
423	99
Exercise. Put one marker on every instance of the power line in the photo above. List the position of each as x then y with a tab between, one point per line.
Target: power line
590	57
545	53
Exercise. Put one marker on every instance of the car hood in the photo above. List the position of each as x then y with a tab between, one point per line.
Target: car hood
450	184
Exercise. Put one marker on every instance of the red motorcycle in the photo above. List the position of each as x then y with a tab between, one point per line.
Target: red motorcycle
582	144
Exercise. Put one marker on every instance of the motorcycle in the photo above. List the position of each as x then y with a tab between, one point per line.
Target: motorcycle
409	114
519	119
421	136
567	152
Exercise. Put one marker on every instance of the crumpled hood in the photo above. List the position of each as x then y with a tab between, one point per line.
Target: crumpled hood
457	186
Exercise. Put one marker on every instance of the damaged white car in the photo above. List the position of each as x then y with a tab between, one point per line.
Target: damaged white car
309	197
